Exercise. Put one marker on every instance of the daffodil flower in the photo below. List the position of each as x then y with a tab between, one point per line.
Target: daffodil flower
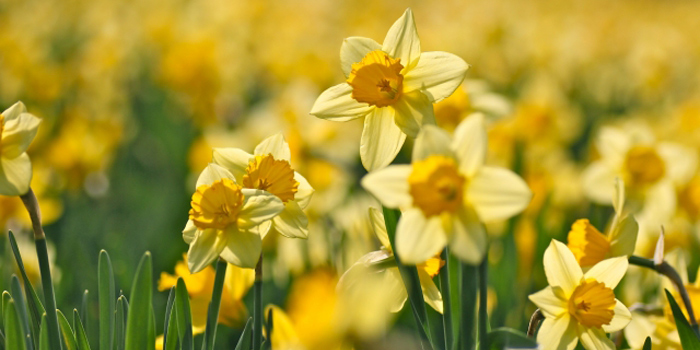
392	85
269	169
447	192
18	129
225	220
590	246
577	305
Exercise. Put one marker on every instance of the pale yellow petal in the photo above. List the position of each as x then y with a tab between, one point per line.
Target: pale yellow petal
417	238
561	267
390	185
621	318
470	144
18	133
15	175
205	248
612	144
549	303
437	75
292	221
234	159
354	50
623	238
14	111
259	207
243	248
336	103
468	239
413	110
432	140
598	181
214	172
304	191
619	196
431	293
681	163
376	218
497	193
596	339
276	146
557	334
609	271
402	40
393	285
189	233
381	139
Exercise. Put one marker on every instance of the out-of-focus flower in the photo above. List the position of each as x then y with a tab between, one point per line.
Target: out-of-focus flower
269	169
393	86
590	247
225	220
471	97
447	193
17	129
577	305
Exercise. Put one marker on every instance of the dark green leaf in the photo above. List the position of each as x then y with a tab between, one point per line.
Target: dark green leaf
106	296
14	336
122	310
80	335
137	324
689	340
67	332
21	307
184	316
502	338
36	308
246	339
647	344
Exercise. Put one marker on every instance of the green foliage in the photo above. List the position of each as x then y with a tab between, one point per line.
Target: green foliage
647	344
689	339
139	318
501	338
246	340
14	334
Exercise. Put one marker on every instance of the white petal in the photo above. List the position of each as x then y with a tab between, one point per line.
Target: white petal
599	182
609	271
468	239
595	339
15	175
18	134
561	268
417	238
213	172
381	139
336	103
548	301
390	185
431	294
393	285
190	231
497	193
412	111
14	111
259	207
557	334
304	191
470	144
205	248
437	75
623	238
432	140
621	319
402	40
234	159
292	221
276	146
243	248
376	219
354	49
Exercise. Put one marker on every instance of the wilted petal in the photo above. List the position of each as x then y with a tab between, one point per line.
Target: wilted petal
276	146
354	49
292	221
390	185
561	267
381	139
336	103
497	193
419	238
437	75
15	175
402	40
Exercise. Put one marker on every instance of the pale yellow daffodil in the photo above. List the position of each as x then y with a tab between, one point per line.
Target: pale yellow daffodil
579	306
392	85
225	220
269	169
17	130
447	193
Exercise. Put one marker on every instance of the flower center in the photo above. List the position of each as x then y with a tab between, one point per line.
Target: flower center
644	166
274	176
216	205
592	304
587	243
376	79
436	185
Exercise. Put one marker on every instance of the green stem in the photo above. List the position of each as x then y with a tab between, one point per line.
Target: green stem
468	306
535	320
258	305
214	305
446	301
483	304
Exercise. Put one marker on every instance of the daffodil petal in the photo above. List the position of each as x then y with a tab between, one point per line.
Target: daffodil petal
470	144
14	111
238	281
234	159
18	134
437	75
681	163
431	294
419	238
549	303
393	285
612	144
402	40
190	231
596	339
259	207
561	268
376	219
412	111
432	140
390	185
336	103
205	248
468	240
497	193
618	200
557	334
598	181
381	139
609	271
243	248
354	49
276	146
292	221
304	191
623	238
621	318
214	172
15	175
285	335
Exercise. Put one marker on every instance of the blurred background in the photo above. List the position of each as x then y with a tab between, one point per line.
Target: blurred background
134	95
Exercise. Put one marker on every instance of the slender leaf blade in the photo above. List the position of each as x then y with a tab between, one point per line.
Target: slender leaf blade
137	323
689	340
66	331
80	335
106	299
503	338
184	316
14	334
246	339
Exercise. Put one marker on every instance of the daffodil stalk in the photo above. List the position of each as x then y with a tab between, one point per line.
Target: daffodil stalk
446	300
30	202
483	304
535	320
469	291
258	305
214	305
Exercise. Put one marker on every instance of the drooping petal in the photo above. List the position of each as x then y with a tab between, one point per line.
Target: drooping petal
548	301
431	294
259	207
390	185
234	159
598	181
623	238
402	41
596	339
376	219
432	140
621	318
14	111
354	49
561	268
468	240
437	75
557	334
497	193
190	231
214	172
304	191
292	221
609	271
336	103
470	144
276	146
18	134
381	139
419	238
205	248
15	175
396	289
243	248
413	110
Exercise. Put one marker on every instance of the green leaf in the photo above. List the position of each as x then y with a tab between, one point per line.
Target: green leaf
84	310
244	343
14	335
106	296
184	316
36	308
468	312
267	344
137	323
42	253
647	344
151	345
121	312
501	338
214	306
21	307
80	335
68	337
170	334
689	340
44	335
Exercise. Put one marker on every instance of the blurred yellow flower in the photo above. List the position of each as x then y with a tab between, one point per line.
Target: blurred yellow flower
447	193
393	86
17	129
577	305
472	96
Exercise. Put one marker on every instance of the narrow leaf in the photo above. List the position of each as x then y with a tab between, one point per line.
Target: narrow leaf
507	338
122	310
44	335
66	331
80	335
168	316
14	335
647	344
106	297
244	343
689	340
184	316
21	307
36	308
137	324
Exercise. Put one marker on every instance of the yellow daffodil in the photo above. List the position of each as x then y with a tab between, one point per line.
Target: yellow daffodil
590	246
393	86
447	192
392	278
17	129
577	305
225	220
269	169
